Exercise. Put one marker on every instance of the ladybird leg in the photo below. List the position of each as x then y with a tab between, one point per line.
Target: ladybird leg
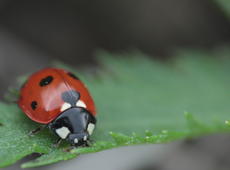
37	130
58	142
68	149
88	143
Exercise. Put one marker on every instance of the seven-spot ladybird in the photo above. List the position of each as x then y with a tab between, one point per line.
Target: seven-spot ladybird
58	99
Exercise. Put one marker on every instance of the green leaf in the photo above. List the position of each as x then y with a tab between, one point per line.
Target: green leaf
138	101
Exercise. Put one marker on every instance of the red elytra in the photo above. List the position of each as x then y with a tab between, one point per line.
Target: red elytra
46	98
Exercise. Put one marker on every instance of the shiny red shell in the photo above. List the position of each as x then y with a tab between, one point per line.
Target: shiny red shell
47	98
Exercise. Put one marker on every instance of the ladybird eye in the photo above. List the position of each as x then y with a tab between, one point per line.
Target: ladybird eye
34	105
45	81
80	103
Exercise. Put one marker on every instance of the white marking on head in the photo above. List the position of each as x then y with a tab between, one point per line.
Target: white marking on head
65	106
75	140
63	132
90	128
80	103
85	138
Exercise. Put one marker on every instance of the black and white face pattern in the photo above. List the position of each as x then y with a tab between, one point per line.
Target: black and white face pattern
71	99
75	123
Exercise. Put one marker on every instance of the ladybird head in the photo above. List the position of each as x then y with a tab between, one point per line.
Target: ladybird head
75	123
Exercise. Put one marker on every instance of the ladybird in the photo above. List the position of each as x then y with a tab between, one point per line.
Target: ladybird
58	99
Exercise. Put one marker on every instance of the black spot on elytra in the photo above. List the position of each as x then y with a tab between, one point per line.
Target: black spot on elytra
1	124
34	105
70	97
45	81
72	75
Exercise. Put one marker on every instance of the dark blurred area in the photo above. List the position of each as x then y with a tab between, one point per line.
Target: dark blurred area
205	153
34	33
37	32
